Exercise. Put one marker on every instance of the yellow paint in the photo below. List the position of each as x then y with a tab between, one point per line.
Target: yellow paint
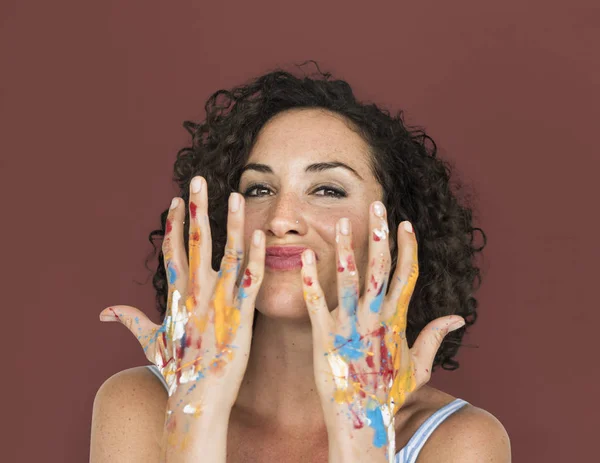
226	316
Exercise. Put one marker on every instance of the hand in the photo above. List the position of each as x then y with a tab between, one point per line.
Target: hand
202	346
364	369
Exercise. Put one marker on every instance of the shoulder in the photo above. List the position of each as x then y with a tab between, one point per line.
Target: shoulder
128	417
470	434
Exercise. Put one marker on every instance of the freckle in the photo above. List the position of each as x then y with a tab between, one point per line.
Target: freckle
308	281
169	226
375	237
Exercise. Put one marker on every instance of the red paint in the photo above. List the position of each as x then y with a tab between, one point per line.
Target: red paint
247	279
375	237
199	343
374	282
351	266
308	281
356	421
169	227
195	236
193	209
340	267
370	361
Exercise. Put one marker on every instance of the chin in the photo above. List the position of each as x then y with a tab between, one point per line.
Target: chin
282	297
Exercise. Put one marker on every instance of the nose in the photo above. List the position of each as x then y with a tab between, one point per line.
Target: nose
285	216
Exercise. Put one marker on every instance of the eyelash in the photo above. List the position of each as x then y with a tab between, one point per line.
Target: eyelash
337	192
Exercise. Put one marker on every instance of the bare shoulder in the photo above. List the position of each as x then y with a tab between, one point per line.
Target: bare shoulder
470	434
128	418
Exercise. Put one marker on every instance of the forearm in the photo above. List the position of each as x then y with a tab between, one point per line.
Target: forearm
197	438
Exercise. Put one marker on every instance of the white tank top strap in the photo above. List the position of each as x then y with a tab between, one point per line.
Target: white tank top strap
410	452
154	369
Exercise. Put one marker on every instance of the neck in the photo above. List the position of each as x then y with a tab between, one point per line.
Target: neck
279	383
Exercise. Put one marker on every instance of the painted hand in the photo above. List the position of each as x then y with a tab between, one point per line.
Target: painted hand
204	341
363	367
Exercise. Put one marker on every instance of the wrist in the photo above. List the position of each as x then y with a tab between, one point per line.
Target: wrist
354	442
193	432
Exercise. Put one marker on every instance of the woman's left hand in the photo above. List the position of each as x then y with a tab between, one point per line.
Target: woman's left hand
363	367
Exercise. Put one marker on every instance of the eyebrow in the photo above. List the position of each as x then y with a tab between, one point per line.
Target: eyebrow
318	167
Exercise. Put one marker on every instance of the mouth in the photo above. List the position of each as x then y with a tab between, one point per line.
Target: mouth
284	257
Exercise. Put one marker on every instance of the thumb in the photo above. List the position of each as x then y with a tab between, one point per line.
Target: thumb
134	319
430	339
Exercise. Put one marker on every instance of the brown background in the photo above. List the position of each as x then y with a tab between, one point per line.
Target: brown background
93	96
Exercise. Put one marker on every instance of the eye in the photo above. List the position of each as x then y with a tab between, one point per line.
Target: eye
258	187
331	192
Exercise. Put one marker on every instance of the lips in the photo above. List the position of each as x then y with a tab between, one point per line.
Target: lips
284	257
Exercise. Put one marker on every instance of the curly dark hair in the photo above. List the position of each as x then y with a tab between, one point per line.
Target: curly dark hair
416	184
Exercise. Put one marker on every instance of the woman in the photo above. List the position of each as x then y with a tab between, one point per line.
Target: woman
303	347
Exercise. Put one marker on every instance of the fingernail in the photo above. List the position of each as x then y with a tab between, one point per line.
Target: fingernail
456	325
309	257
378	209
173	203
256	238
108	317
408	226
196	185
234	202
345	226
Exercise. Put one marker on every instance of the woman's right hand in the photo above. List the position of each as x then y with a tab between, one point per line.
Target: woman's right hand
202	347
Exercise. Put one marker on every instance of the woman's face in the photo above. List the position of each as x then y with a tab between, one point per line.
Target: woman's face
295	193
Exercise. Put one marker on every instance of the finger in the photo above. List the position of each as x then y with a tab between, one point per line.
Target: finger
379	263
405	277
347	275
137	322
320	318
226	314
252	278
176	264
428	343
200	244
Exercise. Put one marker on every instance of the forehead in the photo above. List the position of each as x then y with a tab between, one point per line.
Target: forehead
302	136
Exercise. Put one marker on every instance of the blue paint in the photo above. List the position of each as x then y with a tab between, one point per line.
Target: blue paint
183	338
241	294
350	301
376	422
376	303
349	348
171	273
